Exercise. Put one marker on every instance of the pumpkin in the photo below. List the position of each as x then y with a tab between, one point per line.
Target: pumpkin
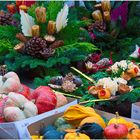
75	114
61	100
45	99
121	120
115	131
134	134
76	136
9	83
95	119
25	91
93	130
17	107
104	94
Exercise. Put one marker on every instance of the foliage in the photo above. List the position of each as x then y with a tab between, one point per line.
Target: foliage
132	96
5	46
53	8
64	56
9	33
71	33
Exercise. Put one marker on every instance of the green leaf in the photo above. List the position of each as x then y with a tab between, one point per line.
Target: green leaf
53	9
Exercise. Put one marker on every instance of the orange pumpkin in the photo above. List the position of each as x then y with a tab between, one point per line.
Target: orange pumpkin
134	134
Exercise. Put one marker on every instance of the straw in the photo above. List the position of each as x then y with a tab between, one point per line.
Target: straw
74	96
95	100
85	76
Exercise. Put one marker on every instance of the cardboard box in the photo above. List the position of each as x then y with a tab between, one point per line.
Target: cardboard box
135	111
35	127
18	130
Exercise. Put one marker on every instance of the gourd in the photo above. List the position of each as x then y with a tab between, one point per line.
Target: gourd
61	100
50	132
76	136
75	114
45	99
93	130
96	119
134	134
18	108
2	103
121	120
61	124
25	91
115	131
9	83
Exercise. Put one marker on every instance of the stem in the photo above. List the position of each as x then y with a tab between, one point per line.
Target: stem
117	117
131	130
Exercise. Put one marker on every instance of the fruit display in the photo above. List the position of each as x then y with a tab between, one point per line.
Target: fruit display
18	102
88	128
68	83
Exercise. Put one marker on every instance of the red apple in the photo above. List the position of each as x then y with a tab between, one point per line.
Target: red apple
116	131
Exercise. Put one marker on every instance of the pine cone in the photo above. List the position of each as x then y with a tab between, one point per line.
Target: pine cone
35	46
47	52
57	44
68	77
3	70
90	27
68	86
100	26
6	18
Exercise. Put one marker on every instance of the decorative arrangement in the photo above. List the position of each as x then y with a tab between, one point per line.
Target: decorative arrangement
69	83
93	63
37	46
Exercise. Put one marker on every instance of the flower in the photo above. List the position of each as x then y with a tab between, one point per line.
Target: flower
123	64
120	80
108	83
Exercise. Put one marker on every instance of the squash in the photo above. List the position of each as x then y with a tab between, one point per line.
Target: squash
94	119
121	120
50	132
76	136
9	83
134	134
104	94
61	100
93	130
17	107
61	124
2	103
25	91
75	114
45	99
